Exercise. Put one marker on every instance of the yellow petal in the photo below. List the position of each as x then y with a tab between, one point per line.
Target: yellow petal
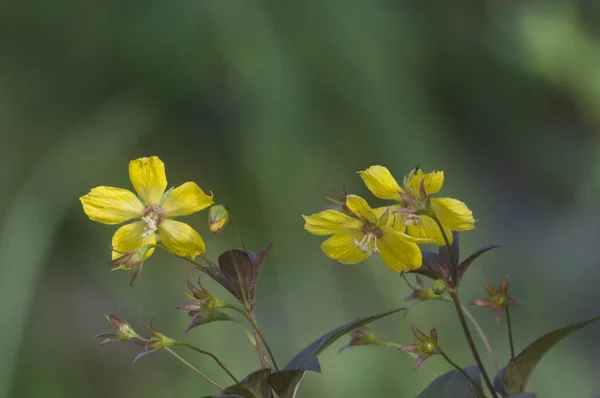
329	222
186	199
397	251
111	205
381	183
148	177
361	209
453	214
341	247
432	182
131	237
427	228
181	239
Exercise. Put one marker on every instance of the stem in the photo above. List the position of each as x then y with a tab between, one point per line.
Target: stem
461	316
447	358
510	335
453	261
210	354
482	335
189	365
260	340
258	336
467	333
237	228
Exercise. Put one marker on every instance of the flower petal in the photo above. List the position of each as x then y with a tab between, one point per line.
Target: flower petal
131	237
381	183
186	199
427	228
341	247
181	239
453	214
329	222
361	209
397	251
432	182
394	218
110	205
148	177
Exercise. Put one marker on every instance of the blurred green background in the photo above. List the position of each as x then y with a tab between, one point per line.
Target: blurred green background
269	104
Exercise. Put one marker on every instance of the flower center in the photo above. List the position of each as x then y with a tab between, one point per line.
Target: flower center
427	347
153	216
368	244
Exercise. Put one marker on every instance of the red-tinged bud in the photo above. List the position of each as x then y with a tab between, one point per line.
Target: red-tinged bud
363	336
158	340
426	345
433	292
124	332
498	300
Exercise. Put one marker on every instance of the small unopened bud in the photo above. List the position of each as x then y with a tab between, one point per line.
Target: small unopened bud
363	336
498	300
426	345
438	287
158	340
218	216
124	332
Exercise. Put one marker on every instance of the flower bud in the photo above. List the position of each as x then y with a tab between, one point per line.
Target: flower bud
124	332
218	216
499	299
438	287
363	336
425	345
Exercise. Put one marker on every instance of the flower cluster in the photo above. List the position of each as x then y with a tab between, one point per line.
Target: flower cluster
392	231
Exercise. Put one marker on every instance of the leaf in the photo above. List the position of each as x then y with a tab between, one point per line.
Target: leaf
429	268
454	385
466	263
520	367
286	381
253	386
499	384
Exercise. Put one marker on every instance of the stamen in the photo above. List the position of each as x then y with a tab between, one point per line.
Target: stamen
368	244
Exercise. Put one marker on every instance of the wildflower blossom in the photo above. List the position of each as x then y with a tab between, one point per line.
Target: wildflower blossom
154	208
419	209
354	239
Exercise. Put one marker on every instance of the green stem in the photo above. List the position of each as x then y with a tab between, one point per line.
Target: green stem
260	339
447	358
210	354
461	316
189	365
237	228
510	335
481	333
467	332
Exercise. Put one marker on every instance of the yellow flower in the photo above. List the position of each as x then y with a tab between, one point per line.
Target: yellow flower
154	208
418	207
372	231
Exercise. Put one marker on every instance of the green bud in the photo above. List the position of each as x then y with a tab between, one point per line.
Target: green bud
438	287
218	216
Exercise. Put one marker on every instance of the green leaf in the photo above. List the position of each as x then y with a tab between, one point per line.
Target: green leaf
253	386
454	385
466	263
499	384
520	367
285	382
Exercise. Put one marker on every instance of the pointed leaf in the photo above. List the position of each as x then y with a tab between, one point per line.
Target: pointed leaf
429	268
238	270
459	387
303	358
499	384
520	367
464	265
285	382
253	386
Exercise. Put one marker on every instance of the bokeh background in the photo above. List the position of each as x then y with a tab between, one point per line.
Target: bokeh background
269	104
